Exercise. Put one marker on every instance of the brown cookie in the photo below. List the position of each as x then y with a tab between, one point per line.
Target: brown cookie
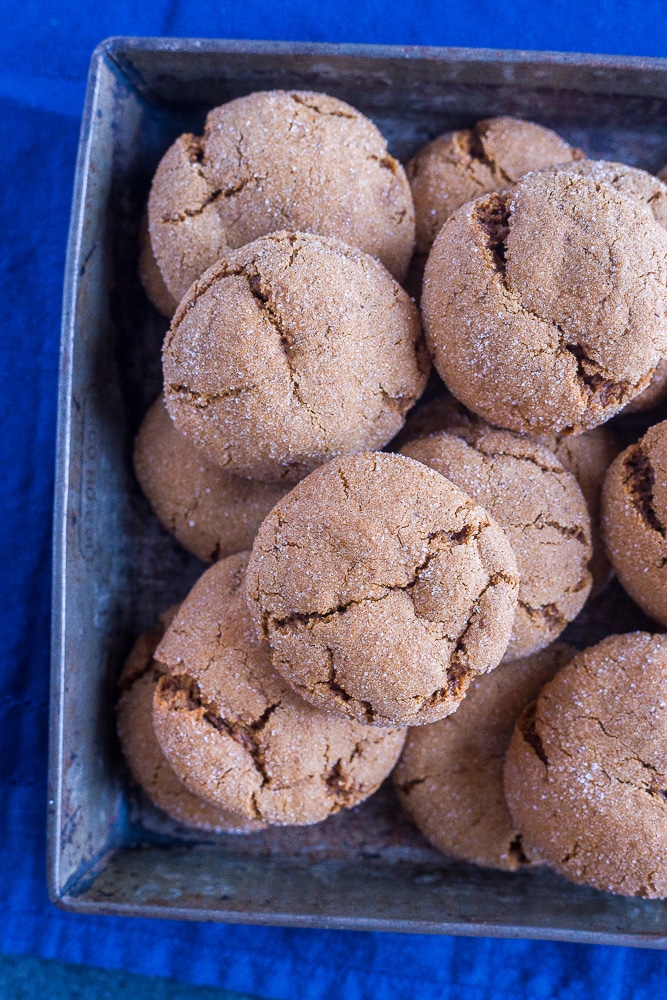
636	184
236	733
149	272
383	589
654	394
650	192
545	309
541	507
449	777
586	769
147	763
634	516
460	166
277	160
211	513
587	456
289	351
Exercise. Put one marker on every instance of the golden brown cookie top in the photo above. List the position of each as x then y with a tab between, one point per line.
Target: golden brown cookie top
541	507
634	520
237	734
545	309
586	770
291	350
383	589
211	512
277	160
144	757
450	774
460	166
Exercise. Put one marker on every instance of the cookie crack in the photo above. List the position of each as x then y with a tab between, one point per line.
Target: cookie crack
463	536
527	726
639	480
203	399
407	786
605	391
274	318
565	530
477	151
492	216
549	612
181	692
298	99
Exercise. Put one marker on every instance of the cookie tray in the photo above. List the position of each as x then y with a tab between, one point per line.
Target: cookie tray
110	851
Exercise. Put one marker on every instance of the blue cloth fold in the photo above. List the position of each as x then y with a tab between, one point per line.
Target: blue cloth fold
44	52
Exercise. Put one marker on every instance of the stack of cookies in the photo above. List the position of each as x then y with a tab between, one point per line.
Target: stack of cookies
389	584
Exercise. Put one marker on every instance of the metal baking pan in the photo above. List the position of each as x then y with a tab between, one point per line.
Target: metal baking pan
110	851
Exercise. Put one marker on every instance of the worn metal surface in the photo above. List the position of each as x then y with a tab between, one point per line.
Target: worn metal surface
115	569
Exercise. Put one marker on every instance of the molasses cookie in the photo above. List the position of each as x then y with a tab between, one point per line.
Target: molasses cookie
277	160
289	351
235	732
460	166
587	456
382	589
144	757
210	512
586	769
634	516
545	308
449	777
541	507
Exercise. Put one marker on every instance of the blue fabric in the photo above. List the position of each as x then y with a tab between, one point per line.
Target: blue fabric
44	51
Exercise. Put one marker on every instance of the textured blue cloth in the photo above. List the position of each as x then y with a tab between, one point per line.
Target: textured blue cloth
44	52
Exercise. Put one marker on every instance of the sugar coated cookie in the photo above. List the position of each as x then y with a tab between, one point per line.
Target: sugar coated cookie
277	160
449	777
236	734
289	351
147	763
383	589
586	769
546	308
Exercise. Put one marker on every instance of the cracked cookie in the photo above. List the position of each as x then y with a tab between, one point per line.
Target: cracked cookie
449	778
209	511
460	166
545	308
587	456
650	192
541	507
289	351
277	160
634	520
147	763
382	589
586	770
237	735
